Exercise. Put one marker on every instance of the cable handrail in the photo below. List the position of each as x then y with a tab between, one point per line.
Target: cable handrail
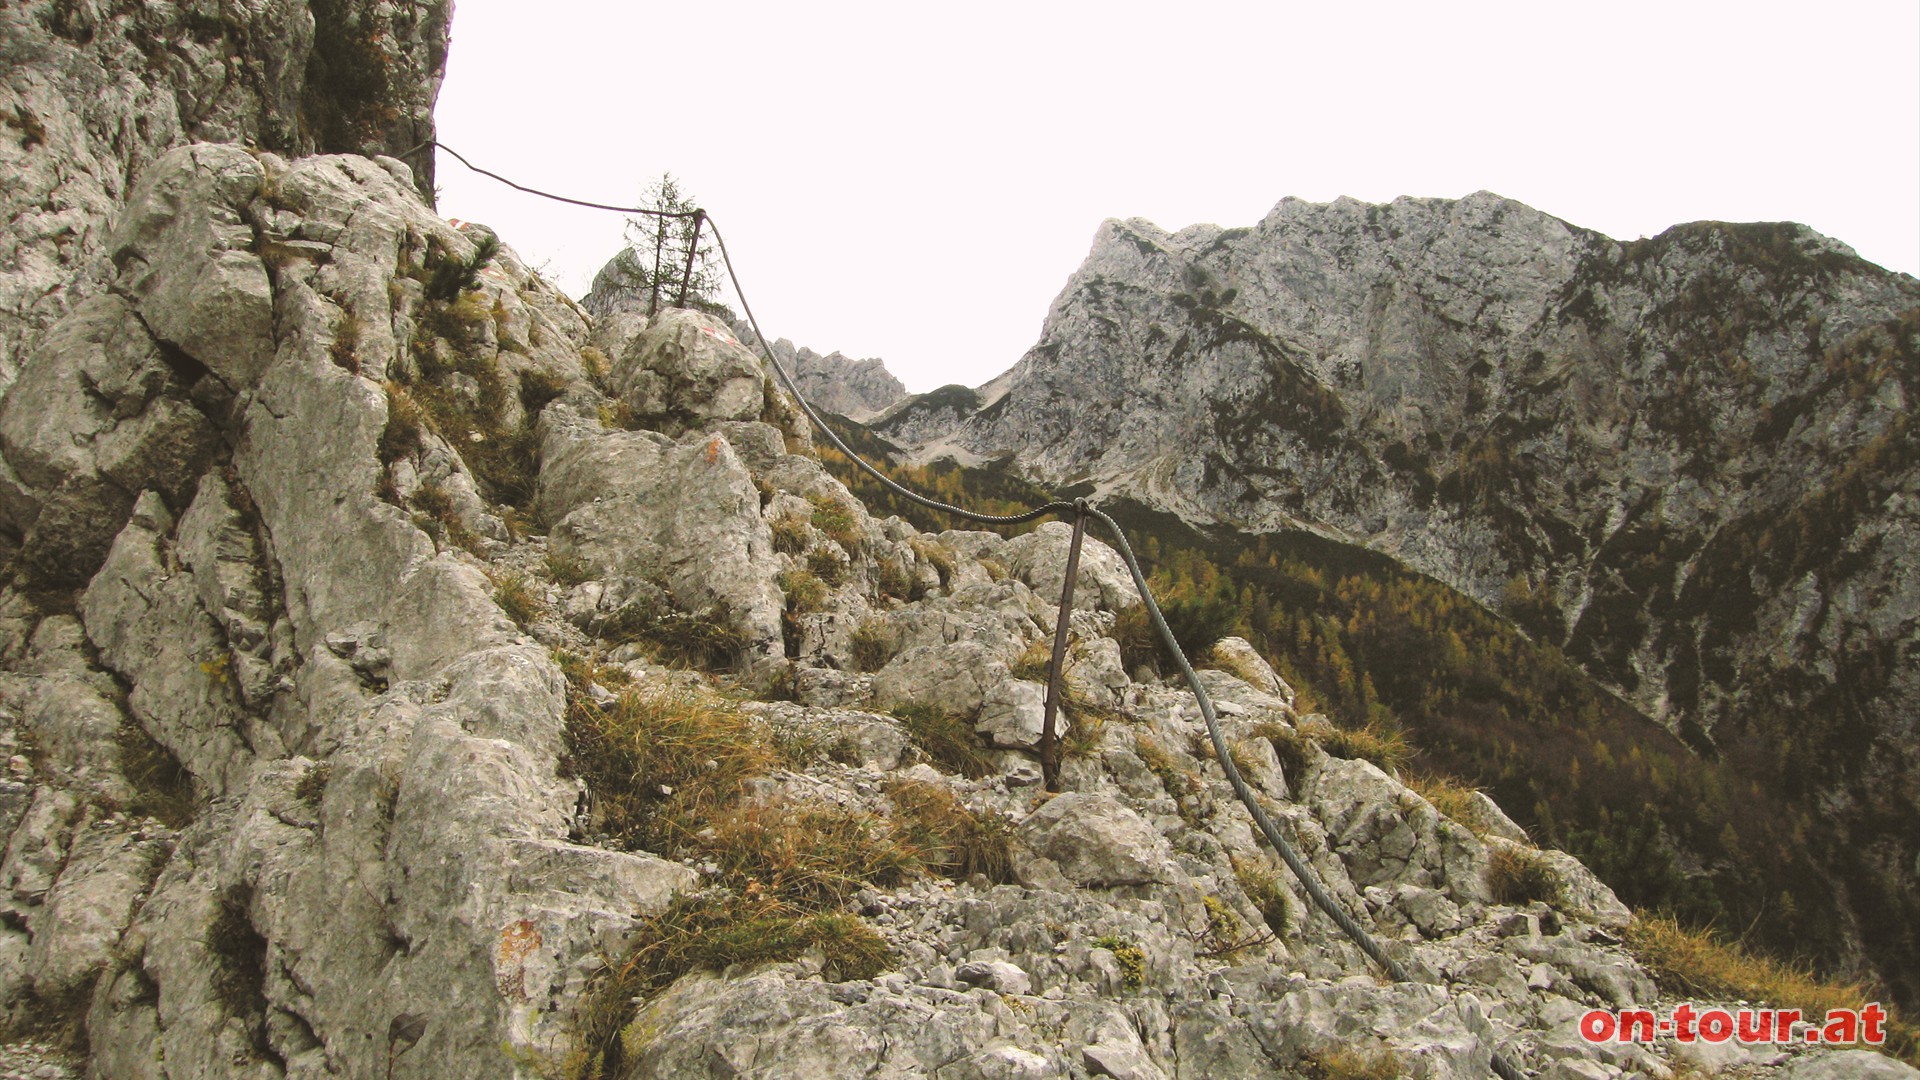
1081	509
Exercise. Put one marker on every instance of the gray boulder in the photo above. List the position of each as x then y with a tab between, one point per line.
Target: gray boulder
686	371
1094	841
637	507
1237	657
955	677
1013	713
1039	558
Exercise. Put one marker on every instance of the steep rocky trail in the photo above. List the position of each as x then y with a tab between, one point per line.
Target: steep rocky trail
339	536
1685	460
407	673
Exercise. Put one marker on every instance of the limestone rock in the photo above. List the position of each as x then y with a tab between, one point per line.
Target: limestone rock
995	975
99	415
188	264
147	622
1012	715
771	1024
1039	558
955	678
1096	842
1236	657
107	873
687	369
98	95
636	506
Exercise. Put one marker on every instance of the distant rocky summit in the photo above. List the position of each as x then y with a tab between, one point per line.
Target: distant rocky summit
856	389
407	674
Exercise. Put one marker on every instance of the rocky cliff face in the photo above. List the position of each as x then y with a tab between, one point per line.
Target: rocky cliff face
342	547
856	389
1686	459
92	92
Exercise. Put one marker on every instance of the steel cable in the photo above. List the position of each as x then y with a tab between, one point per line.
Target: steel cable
1298	866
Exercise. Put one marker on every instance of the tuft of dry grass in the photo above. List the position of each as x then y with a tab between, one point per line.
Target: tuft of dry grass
311	788
789	534
539	388
1178	780
939	555
895	581
568	569
951	840
1139	641
1695	963
516	595
1233	666
709	640
1353	1063
1293	747
838	520
832	569
811	857
804	590
1452	797
1381	745
869	646
659	760
1517	875
162	787
436	516
405	424
1035	661
344	349
947	739
594	362
1262	886
1087	724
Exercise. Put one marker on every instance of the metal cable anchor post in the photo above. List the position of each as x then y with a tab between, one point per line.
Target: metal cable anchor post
1049	730
693	249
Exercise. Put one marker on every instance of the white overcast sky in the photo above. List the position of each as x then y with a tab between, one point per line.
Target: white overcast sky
915	181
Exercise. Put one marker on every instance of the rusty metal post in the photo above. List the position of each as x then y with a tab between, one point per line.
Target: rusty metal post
693	248
1049	734
653	279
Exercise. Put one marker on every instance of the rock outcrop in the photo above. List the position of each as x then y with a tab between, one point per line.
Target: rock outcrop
857	389
1685	460
92	93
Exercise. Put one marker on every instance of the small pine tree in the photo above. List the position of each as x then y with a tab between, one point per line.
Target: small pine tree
657	251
